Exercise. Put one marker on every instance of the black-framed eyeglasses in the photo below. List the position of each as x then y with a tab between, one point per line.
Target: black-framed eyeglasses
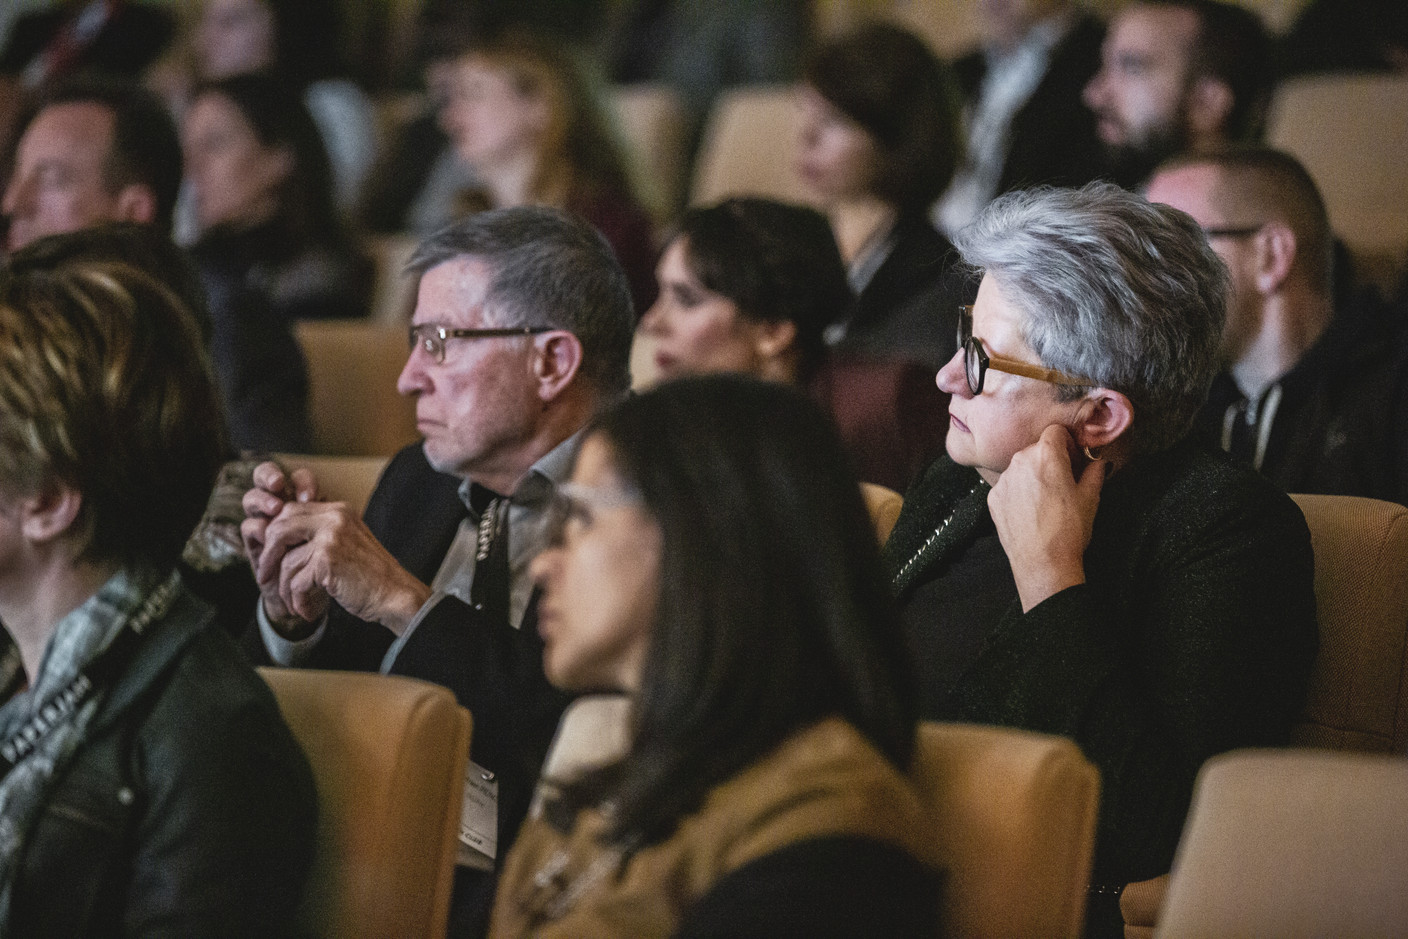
977	361
432	338
1234	231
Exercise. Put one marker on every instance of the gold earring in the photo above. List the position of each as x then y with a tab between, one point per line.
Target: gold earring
1092	457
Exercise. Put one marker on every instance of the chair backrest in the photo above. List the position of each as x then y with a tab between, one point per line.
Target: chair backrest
1014	816
1358	696
349	479
1359	689
388	756
884	506
749	147
593	731
1293	844
1351	132
653	128
352	401
394	296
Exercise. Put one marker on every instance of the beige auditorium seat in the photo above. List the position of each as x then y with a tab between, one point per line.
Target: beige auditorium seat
1358	697
950	27
749	147
1293	844
1351	132
388	756
353	404
652	123
884	506
1359	689
349	479
1014	816
394	296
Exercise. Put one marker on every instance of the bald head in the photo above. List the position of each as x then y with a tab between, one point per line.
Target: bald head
1249	186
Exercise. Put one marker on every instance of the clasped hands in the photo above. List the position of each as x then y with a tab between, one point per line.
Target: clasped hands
1045	516
306	553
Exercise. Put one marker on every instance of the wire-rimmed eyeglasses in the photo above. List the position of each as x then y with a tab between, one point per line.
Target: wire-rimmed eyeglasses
432	337
977	361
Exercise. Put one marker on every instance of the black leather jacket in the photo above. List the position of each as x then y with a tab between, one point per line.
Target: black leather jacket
188	811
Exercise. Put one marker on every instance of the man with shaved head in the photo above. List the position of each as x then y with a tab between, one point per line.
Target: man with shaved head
1313	399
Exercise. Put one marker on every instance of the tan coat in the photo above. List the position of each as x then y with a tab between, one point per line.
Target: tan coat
825	780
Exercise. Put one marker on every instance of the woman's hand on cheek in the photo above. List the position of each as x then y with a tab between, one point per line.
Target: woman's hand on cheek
1044	515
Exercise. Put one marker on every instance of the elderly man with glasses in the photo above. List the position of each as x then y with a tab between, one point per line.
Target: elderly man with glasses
521	333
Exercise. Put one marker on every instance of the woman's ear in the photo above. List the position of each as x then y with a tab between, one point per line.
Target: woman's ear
773	338
1104	417
50	513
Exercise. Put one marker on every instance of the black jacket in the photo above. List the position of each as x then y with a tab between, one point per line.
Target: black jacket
909	310
1052	137
1341	424
1193	634
188	811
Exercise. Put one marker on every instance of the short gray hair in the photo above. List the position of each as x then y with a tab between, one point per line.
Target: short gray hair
547	268
1115	289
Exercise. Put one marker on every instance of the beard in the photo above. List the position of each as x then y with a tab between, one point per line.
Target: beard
1132	163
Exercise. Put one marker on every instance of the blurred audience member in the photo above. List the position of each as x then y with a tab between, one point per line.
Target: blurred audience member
103	152
879	142
749	286
1314	399
714	563
414	187
524	118
1179	75
262	196
296	42
46	47
1022	103
149	784
96	151
703	49
1347	36
81	36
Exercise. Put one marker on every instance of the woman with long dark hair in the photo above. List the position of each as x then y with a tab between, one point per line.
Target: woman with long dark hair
715	564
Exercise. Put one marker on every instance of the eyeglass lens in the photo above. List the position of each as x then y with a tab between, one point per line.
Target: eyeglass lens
974	361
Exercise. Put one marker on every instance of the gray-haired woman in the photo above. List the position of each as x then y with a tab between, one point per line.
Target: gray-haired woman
1071	566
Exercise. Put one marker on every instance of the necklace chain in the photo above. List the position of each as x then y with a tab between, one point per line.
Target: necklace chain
936	534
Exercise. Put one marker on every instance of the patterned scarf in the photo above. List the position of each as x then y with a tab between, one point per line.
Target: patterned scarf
78	640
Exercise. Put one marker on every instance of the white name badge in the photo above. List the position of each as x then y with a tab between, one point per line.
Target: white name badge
479	819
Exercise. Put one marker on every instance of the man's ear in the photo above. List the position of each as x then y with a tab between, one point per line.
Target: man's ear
135	203
1104	417
1210	103
556	362
49	514
1275	255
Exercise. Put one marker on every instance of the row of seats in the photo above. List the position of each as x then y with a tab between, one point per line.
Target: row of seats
1350	132
1290	843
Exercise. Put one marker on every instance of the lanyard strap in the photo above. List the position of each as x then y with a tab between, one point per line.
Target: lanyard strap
61	705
